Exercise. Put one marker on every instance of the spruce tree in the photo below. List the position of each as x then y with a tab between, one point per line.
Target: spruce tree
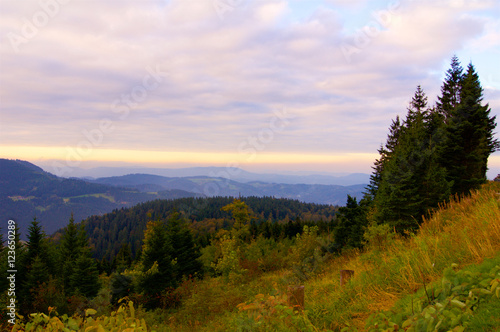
412	181
156	262
37	275
386	153
79	270
184	251
451	90
69	252
469	137
37	261
351	223
123	259
85	277
38	245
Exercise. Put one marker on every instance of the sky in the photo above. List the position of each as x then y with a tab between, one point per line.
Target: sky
264	85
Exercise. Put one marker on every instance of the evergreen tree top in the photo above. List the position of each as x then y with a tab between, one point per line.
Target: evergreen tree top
450	91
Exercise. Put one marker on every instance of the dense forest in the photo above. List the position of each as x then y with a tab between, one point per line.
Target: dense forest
274	218
156	253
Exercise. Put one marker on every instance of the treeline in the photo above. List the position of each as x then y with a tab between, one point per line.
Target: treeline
49	273
436	151
274	218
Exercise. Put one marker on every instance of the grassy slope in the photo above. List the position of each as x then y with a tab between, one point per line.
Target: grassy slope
464	232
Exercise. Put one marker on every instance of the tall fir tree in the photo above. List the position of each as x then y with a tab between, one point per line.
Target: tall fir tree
184	251
85	277
156	263
451	89
38	245
386	151
37	261
38	276
469	137
351	223
412	182
69	251
123	259
78	269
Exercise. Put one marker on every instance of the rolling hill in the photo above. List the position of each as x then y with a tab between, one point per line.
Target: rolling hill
234	173
26	191
211	187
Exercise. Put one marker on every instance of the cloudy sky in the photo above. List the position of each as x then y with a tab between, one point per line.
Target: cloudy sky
266	85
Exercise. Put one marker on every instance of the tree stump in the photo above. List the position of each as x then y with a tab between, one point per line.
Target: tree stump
296	297
345	275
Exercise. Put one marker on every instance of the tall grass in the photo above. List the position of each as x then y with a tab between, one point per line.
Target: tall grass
464	231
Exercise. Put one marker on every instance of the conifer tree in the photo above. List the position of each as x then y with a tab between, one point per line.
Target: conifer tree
37	245
123	259
69	252
183	251
451	89
469	137
156	262
351	223
37	275
37	261
79	271
385	155
412	181
85	278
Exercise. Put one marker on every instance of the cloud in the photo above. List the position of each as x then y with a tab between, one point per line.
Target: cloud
221	76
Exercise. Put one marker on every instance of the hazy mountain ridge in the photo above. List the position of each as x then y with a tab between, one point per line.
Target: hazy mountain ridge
208	186
26	191
232	173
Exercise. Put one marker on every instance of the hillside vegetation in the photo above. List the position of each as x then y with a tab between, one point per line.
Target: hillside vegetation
391	268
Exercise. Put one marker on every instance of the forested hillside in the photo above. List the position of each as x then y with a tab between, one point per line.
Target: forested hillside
271	217
27	191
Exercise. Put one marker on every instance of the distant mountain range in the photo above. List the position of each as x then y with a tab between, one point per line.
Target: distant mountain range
232	173
207	186
27	191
